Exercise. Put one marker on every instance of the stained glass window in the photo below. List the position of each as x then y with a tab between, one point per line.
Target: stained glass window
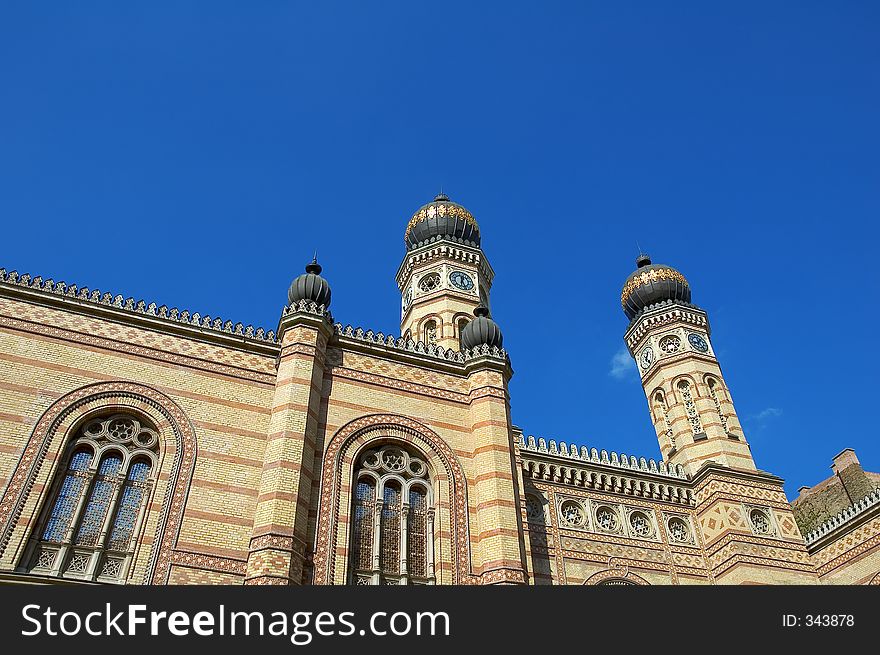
391	529
129	506
417	528
362	542
68	497
99	501
89	500
394	476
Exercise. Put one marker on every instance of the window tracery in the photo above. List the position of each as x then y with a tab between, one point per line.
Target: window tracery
98	505
431	332
690	407
712	384
662	409
392	537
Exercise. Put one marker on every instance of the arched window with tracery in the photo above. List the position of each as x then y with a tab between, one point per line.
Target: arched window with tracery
430	332
98	502
661	408
392	536
690	407
714	387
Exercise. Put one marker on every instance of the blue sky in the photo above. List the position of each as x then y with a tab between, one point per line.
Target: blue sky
196	154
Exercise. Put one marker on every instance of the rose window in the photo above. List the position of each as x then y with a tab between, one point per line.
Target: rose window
679	530
640	524
670	344
430	282
606	519
572	512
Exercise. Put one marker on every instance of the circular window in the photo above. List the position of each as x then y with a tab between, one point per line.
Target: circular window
534	509
640	524
760	521
572	512
670	344
679	530
430	282
606	519
393	459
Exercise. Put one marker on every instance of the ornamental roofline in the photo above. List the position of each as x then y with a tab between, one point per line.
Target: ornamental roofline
584	455
454	361
106	304
843	518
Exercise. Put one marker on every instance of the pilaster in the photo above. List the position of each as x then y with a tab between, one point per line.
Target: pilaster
497	547
279	540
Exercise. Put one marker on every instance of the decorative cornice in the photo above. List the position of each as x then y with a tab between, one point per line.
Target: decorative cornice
593	456
129	310
844	518
444	249
664	313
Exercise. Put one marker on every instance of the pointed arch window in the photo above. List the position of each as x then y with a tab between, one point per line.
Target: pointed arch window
392	537
98	505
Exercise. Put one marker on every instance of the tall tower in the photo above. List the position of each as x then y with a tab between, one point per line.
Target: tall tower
690	403
445	274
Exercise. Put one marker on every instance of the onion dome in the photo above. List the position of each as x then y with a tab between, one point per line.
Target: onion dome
651	284
441	219
481	330
310	286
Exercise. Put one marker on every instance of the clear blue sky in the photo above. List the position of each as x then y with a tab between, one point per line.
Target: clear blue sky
195	154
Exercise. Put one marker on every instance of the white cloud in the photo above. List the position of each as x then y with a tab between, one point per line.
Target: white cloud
622	364
767	413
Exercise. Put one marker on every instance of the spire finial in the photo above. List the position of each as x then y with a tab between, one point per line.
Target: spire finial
314	266
642	260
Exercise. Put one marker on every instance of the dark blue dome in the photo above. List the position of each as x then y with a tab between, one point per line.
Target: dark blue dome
651	284
481	330
310	286
442	219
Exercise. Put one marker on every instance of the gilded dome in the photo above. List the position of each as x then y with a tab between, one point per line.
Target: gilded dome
650	284
440	219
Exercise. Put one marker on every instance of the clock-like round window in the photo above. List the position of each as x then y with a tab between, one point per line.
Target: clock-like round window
461	280
678	530
670	344
698	342
640	524
606	519
572	512
430	282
